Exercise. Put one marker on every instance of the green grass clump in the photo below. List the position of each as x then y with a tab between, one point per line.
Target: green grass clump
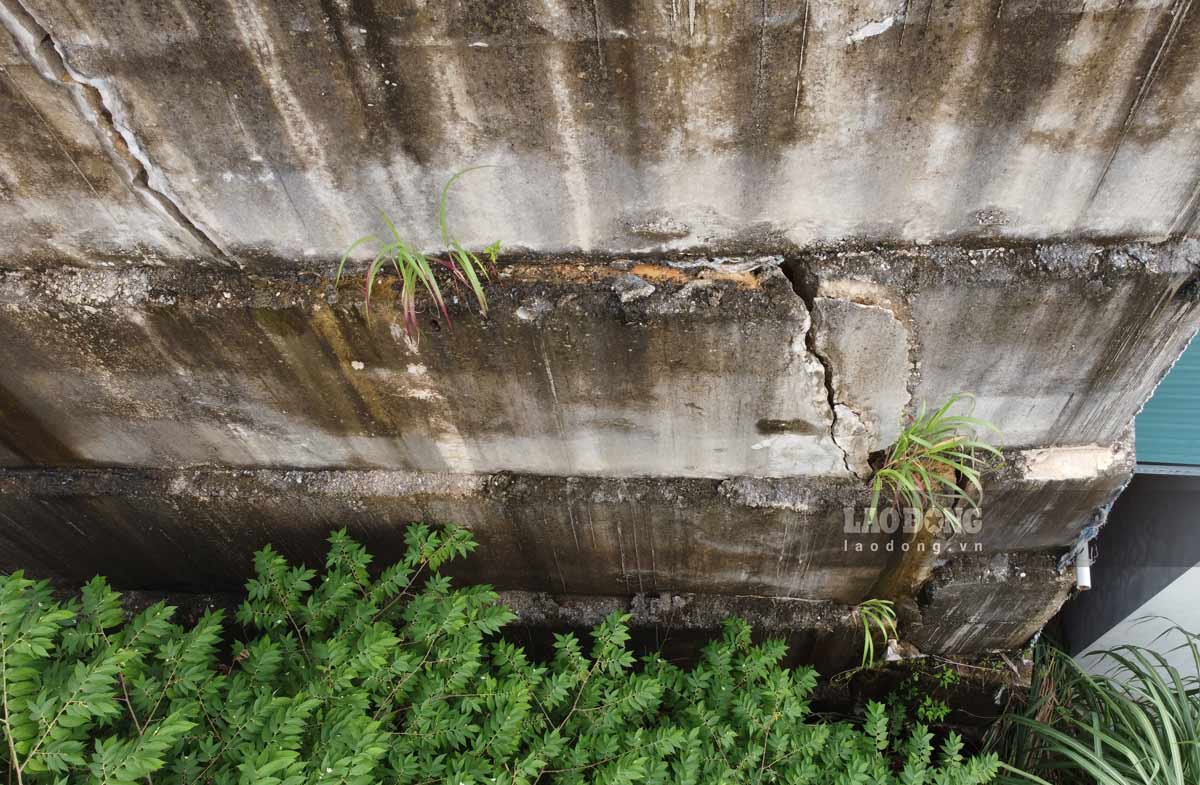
1139	725
415	270
875	616
934	463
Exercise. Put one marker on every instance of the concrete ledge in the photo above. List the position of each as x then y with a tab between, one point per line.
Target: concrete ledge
680	554
1044	498
567	375
196	530
769	538
711	369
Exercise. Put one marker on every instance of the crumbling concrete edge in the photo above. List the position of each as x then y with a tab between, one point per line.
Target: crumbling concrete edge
896	271
1186	250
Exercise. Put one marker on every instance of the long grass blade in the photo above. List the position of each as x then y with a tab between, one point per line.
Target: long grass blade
353	246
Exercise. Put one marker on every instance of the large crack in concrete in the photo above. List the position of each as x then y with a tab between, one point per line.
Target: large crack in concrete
103	109
839	412
805	289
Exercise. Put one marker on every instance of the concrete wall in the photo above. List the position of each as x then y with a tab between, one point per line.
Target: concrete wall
745	240
278	128
681	442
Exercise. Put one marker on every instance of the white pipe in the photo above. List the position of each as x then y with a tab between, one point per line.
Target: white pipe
1083	567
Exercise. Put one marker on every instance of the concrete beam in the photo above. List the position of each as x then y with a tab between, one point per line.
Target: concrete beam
710	369
197	529
704	374
991	601
776	549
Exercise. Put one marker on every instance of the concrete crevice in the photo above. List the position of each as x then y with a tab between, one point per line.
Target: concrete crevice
842	418
102	109
837	424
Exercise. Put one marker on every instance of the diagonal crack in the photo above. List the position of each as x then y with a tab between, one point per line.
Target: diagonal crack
102	108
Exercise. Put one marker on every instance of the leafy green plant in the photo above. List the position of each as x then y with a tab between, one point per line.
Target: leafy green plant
935	462
361	675
947	677
916	696
1140	725
875	616
932	710
415	270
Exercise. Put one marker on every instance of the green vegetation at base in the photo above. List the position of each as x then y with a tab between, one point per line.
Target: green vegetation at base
875	616
359	675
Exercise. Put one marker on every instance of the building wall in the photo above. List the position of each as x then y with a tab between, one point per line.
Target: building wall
744	241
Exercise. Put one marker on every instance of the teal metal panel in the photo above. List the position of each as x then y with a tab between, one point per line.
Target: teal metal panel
1168	429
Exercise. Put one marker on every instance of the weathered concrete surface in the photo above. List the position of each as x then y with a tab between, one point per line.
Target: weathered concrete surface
780	543
197	529
865	349
710	375
1027	507
1060	343
146	368
989	602
707	378
280	128
999	199
67	194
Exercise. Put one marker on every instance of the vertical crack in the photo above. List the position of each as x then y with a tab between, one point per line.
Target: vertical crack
804	284
100	106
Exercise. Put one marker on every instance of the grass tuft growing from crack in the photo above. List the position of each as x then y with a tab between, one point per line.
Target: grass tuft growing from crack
875	616
935	463
415	270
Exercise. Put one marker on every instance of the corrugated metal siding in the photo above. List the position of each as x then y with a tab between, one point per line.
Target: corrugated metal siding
1168	429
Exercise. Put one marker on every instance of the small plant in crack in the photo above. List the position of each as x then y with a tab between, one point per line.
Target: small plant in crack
875	616
936	463
415	270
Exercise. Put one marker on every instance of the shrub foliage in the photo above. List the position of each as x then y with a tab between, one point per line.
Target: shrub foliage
393	676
